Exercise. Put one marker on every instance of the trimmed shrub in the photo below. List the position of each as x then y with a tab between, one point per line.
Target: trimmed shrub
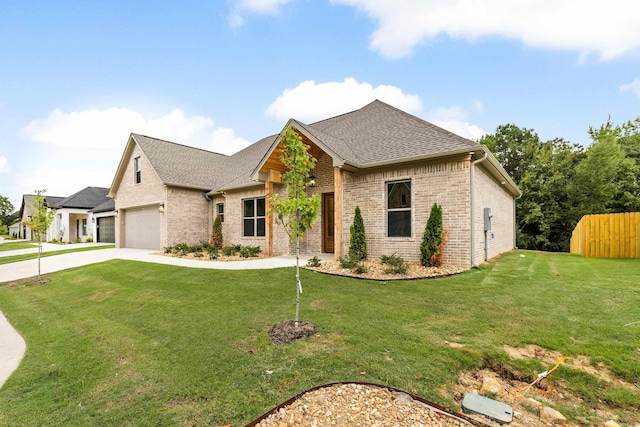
347	262
89	239
216	234
314	262
250	251
358	240
230	250
395	264
432	236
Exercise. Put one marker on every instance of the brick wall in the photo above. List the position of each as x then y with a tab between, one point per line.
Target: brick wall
187	217
444	183
491	194
149	192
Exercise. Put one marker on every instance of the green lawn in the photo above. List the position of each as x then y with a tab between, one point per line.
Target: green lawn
127	343
24	257
14	246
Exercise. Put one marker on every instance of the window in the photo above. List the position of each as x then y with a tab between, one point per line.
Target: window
137	167
253	212
84	227
220	211
399	209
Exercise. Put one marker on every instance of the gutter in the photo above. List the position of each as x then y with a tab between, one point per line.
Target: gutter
472	203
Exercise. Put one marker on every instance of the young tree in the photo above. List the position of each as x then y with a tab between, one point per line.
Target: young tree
432	236
358	240
297	211
6	211
39	220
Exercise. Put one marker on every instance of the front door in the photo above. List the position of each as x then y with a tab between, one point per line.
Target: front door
328	226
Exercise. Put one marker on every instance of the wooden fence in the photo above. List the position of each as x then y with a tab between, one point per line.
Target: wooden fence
607	236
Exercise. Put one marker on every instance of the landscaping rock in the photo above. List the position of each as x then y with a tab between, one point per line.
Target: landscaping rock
611	423
287	331
552	416
491	385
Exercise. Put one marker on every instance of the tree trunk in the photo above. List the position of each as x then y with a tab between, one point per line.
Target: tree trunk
298	284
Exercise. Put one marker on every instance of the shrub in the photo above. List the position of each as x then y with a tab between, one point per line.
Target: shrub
250	251
216	234
432	236
77	240
395	264
213	253
436	259
230	250
89	239
314	262
347	262
357	241
168	249
181	249
198	254
360	268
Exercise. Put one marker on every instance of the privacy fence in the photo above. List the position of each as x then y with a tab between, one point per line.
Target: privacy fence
607	236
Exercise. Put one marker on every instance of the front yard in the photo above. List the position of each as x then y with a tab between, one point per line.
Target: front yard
127	343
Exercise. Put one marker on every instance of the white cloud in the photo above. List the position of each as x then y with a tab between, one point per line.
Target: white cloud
311	101
584	26
110	127
225	141
634	87
454	119
263	7
4	165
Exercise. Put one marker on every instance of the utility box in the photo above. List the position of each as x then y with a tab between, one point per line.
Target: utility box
487	219
492	409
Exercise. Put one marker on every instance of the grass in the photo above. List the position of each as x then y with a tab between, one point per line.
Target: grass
14	246
17	258
126	343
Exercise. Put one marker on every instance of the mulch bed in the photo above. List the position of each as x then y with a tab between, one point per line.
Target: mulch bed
375	270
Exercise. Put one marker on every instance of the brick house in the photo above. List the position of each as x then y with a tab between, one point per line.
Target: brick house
391	164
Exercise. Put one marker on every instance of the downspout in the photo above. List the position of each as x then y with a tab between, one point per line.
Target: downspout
472	203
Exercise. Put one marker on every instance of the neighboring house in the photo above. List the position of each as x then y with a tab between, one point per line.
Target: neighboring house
14	229
24	232
390	163
76	217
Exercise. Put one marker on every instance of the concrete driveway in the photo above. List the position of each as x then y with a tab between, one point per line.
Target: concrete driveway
13	346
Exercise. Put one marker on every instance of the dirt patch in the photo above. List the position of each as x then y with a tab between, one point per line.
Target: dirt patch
30	281
375	270
514	388
287	331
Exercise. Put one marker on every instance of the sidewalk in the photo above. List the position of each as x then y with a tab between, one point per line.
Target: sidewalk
12	346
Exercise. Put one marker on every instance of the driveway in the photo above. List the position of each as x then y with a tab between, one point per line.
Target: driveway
13	346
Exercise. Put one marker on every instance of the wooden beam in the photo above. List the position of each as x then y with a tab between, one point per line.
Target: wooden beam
338	180
268	220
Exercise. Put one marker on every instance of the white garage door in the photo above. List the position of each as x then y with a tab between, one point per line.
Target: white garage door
142	229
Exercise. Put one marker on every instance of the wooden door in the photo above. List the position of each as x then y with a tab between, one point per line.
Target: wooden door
328	226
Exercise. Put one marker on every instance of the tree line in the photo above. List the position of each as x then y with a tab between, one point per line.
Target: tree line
562	181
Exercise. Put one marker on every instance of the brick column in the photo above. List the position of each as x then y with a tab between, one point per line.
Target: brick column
268	234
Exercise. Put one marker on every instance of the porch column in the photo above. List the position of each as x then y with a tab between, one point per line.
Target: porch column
268	231
338	182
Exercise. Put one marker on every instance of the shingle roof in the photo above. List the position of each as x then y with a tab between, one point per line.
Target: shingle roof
109	205
379	133
178	164
86	198
27	200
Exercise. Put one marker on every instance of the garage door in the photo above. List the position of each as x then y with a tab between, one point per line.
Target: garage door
106	230
142	229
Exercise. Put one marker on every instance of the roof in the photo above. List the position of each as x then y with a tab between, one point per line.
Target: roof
87	198
374	135
181	165
27	200
107	206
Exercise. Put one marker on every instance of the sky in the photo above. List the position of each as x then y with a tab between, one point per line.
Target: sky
77	77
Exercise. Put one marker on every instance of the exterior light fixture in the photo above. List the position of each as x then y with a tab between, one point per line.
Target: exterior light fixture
312	180
161	208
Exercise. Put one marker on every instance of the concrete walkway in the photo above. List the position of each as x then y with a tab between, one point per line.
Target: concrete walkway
12	345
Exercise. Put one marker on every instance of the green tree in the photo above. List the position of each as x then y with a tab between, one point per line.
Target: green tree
216	234
432	236
297	211
7	216
515	148
39	220
358	239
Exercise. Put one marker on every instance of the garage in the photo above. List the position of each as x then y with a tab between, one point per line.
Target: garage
106	230
142	228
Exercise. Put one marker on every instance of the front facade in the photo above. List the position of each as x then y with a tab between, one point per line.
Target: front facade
392	165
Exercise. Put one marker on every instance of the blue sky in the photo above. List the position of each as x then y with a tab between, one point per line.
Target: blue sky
77	77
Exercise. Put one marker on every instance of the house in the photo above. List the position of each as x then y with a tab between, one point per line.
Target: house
24	232
391	164
77	217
